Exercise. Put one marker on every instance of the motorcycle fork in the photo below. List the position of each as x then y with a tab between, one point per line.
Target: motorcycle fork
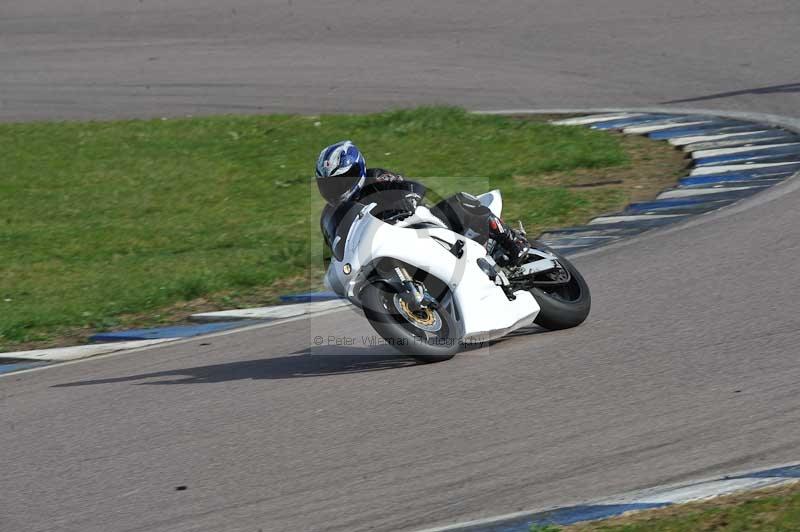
413	292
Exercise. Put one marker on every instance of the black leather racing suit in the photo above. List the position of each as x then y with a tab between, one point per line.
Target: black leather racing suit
462	212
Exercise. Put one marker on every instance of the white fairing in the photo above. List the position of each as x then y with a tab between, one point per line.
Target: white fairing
484	309
493	200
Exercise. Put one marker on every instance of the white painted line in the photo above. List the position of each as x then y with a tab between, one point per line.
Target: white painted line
740	149
273	312
639	130
577	241
485	522
689	192
586	237
681	496
683	141
60	354
708	490
708	170
632	218
566	246
179	341
764	120
673	494
586	120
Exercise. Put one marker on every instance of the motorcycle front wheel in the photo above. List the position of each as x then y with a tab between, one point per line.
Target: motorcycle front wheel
429	335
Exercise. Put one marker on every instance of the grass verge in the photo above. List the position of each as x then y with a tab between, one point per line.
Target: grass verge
770	510
136	223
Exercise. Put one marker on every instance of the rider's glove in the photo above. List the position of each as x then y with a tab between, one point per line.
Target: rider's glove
405	207
410	202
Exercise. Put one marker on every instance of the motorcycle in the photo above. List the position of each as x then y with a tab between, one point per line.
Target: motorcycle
427	290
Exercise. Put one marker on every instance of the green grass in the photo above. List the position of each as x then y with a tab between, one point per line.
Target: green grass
101	221
775	510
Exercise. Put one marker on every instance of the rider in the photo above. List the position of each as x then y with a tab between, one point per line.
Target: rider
342	175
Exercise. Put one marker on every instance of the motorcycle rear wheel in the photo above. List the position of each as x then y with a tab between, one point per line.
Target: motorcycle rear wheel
566	306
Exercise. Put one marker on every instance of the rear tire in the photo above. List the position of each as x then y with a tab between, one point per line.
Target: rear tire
386	318
566	306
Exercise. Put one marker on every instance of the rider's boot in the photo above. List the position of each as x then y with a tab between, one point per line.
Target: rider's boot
514	246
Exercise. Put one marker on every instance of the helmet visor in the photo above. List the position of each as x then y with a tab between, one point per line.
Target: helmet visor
334	187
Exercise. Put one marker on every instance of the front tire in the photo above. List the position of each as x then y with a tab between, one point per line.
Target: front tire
430	337
565	306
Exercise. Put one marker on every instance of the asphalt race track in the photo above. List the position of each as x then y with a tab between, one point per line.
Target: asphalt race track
103	58
688	365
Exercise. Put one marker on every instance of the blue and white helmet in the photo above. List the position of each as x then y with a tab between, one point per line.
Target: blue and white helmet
341	171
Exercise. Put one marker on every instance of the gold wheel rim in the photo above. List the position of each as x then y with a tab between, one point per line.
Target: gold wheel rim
425	317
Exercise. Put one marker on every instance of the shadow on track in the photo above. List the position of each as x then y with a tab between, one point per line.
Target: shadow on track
313	362
773	89
318	362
